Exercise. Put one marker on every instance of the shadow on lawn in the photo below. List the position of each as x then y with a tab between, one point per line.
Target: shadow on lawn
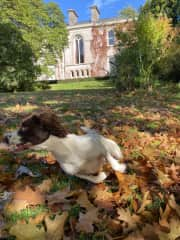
157	107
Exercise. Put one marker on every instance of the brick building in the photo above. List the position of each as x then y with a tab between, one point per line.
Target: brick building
91	47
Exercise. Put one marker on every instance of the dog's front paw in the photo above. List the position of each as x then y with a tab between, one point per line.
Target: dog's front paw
121	167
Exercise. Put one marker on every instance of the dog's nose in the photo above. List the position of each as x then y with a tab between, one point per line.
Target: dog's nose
6	139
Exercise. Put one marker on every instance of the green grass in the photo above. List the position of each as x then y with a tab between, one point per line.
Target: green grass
26	214
82	84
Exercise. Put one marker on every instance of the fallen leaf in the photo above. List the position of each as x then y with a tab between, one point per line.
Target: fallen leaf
131	219
145	202
172	203
61	196
86	221
16	206
164	178
50	159
103	198
23	198
163	222
135	236
29	195
149	233
55	228
27	232
45	186
4	146
174	172
83	200
174	230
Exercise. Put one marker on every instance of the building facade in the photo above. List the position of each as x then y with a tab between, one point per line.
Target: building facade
91	47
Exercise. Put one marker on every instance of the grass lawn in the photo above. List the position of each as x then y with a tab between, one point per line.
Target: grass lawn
145	124
82	84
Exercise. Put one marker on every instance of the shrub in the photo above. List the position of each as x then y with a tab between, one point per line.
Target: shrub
126	69
168	68
141	51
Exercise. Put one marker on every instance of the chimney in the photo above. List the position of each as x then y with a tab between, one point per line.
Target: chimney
73	17
94	14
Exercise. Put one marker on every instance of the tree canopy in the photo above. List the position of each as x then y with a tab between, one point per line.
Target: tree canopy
169	8
32	33
41	24
128	12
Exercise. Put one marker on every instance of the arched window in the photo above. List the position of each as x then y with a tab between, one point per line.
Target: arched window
111	37
79	49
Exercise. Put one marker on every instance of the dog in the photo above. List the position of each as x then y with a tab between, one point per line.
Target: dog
80	155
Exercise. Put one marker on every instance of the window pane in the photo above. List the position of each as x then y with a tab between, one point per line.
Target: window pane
79	50
111	37
81	47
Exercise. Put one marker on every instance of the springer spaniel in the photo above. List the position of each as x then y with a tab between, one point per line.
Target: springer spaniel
79	155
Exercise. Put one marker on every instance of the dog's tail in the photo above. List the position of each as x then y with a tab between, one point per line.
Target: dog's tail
113	155
113	151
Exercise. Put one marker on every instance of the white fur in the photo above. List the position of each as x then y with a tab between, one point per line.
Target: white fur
13	137
84	155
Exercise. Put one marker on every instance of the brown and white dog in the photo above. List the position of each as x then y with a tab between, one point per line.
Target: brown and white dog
79	155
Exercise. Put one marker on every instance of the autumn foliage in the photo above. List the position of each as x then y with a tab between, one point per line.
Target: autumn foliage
41	202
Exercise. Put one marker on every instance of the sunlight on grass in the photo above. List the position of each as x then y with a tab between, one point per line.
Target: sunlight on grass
84	84
21	108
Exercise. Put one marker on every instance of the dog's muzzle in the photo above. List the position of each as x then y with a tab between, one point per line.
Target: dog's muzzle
12	138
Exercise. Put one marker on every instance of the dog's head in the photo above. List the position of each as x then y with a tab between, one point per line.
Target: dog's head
36	128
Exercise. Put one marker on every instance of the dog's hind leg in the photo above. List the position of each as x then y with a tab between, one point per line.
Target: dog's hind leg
95	179
121	167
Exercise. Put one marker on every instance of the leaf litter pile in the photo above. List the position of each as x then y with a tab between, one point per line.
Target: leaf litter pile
39	202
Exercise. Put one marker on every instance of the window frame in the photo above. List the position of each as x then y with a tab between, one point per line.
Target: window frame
111	37
79	50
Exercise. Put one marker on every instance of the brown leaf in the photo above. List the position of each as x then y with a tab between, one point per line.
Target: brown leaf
174	230
45	186
149	233
163	222
135	236
103	198
131	220
83	200
55	228
164	178
50	159
86	221
27	232
4	146
60	196
172	203
174	172
29	195
16	206
145	202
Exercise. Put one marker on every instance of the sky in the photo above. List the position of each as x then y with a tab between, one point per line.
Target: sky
108	8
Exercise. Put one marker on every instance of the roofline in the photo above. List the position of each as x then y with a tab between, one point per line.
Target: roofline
108	21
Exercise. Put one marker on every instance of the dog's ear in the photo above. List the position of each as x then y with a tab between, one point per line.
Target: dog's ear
36	119
52	123
31	120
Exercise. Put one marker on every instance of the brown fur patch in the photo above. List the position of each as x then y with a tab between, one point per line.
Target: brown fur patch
51	122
